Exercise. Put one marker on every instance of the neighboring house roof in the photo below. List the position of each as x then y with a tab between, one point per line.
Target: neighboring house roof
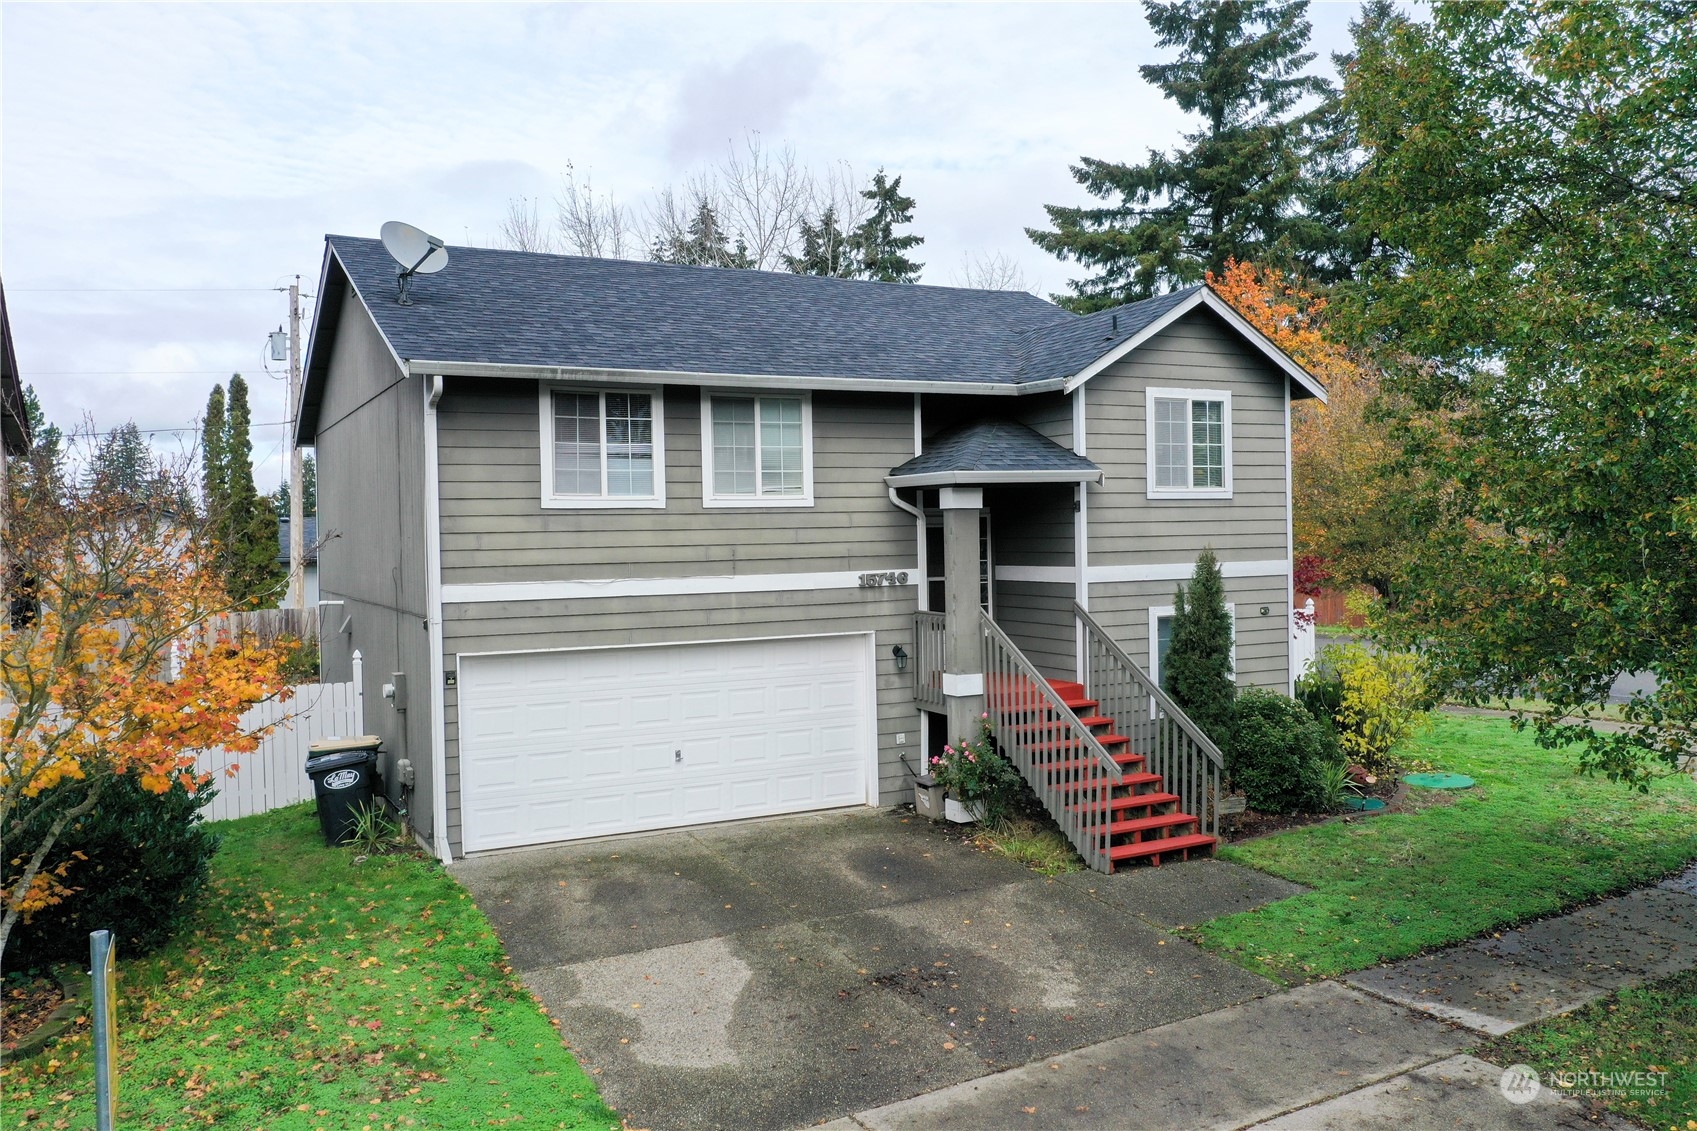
14	422
309	531
992	451
522	314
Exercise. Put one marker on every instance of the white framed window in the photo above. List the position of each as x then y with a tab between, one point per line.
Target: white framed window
1161	619
602	447
756	449
1189	443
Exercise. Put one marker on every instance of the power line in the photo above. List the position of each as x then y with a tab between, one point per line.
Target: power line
122	372
142	290
157	431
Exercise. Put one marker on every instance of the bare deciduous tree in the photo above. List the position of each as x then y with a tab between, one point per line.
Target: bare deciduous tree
593	225
521	229
994	272
763	197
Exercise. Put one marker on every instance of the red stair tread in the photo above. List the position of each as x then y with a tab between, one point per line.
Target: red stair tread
1074	744
1160	847
1125	761
1066	687
1145	824
1136	801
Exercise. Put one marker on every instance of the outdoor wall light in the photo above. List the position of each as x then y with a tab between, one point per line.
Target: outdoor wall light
901	657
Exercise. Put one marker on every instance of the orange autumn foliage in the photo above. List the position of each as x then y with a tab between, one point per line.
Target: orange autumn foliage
1348	506
104	668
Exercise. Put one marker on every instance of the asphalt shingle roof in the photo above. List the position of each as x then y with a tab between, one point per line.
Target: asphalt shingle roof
997	447
520	308
309	532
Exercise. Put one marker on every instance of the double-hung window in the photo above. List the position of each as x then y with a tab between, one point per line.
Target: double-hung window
602	448
1189	444
757	450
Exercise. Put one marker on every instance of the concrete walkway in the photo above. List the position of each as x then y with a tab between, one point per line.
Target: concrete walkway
1383	1048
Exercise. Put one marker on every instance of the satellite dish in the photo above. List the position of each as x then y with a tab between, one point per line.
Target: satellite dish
418	252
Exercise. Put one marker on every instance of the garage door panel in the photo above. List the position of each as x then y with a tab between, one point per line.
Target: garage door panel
560	745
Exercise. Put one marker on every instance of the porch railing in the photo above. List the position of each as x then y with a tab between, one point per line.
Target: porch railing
1067	768
1175	746
928	661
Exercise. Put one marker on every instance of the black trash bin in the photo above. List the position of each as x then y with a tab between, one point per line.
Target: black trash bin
343	773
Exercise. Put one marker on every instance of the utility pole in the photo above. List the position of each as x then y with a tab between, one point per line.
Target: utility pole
297	501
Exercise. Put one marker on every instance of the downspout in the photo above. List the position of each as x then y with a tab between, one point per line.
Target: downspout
433	624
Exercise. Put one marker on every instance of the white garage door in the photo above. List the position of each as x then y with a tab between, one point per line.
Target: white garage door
561	745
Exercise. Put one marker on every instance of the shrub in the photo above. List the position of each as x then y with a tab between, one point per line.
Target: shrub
1197	670
1321	691
1383	701
1279	753
975	773
137	864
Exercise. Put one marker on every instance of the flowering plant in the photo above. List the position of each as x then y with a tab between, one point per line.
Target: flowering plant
974	773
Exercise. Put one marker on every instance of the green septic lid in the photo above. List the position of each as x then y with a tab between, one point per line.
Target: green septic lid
1441	779
1363	804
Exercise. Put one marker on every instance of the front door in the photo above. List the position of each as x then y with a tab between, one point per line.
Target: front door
934	574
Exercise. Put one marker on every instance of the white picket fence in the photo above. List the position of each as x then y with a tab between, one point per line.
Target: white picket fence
275	774
1302	642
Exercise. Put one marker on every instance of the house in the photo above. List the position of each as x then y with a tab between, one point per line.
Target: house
647	546
14	433
309	555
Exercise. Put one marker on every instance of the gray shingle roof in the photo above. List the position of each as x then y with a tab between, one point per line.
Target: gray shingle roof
309	529
992	451
521	308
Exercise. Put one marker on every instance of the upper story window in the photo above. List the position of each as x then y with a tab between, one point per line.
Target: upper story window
602	448
757	450
1189	443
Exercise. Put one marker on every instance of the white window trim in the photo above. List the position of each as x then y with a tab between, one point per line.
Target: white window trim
545	409
756	502
1154	393
1156	612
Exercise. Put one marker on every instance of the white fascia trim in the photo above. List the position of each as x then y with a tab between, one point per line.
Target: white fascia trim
709	500
1156	392
550	501
768	381
1204	297
991	478
1165	571
433	388
484	592
1290	548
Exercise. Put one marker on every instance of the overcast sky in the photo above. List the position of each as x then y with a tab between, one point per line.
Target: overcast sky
148	152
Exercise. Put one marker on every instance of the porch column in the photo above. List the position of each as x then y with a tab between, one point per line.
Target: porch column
963	645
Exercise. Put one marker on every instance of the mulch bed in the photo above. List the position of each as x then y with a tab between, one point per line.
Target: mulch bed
1250	824
24	1006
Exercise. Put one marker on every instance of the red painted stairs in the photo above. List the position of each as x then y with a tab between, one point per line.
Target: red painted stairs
1145	823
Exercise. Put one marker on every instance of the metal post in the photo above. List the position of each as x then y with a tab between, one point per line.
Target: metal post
297	504
102	954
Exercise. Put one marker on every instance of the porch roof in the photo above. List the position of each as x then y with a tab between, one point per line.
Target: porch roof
989	452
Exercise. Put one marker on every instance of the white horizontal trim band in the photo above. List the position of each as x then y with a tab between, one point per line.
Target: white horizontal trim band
725	380
484	592
1164	571
959	685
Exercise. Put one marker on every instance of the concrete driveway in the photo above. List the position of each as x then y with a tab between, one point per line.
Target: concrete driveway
780	973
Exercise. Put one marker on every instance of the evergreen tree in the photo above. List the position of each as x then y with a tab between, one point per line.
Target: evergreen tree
214	474
880	252
251	570
1237	188
825	249
1197	671
704	243
309	490
47	438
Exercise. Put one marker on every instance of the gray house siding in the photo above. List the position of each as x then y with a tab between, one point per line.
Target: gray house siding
605	623
370	452
1130	530
494	528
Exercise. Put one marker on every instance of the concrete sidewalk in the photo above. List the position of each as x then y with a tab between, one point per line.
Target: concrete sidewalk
1384	1048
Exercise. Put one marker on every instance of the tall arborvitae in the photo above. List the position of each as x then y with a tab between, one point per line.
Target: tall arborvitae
251	570
882	253
1197	670
1235	190
214	469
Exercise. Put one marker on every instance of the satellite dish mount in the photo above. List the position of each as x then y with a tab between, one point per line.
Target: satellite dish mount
418	252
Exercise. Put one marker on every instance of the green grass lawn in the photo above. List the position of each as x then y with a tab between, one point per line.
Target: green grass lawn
1533	837
1649	1029
313	992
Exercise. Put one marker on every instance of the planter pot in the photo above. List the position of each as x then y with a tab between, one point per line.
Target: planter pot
962	814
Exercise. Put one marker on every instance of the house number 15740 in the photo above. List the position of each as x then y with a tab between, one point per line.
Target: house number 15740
873	580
